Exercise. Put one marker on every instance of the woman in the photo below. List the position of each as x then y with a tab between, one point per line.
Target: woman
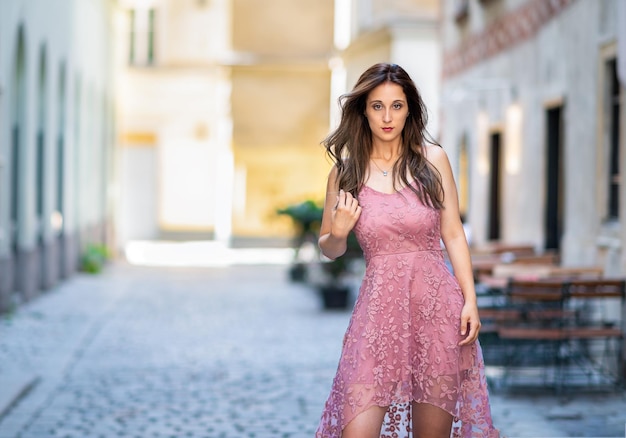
410	356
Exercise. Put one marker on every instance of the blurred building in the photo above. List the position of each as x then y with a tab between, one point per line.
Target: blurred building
56	131
533	119
223	104
217	109
404	32
280	109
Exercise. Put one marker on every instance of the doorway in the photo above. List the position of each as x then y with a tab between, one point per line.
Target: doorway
554	178
495	185
40	182
18	102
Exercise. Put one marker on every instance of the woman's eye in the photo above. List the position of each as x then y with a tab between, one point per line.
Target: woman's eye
377	106
397	105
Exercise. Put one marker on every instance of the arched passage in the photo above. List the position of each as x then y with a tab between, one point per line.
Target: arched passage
41	155
17	117
77	153
58	220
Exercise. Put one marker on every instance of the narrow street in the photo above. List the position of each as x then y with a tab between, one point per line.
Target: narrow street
234	351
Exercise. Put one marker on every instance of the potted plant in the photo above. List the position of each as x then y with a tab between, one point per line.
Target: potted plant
335	288
331	278
307	217
94	258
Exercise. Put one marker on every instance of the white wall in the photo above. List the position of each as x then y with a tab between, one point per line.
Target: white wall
559	64
182	103
416	48
61	27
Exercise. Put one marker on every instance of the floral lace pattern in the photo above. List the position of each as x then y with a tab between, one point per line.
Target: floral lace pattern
401	345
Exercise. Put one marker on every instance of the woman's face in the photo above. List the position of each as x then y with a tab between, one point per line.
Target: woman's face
386	110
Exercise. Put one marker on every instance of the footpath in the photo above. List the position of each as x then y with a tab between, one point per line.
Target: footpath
231	351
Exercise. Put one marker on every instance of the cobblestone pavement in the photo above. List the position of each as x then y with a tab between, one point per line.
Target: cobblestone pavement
206	352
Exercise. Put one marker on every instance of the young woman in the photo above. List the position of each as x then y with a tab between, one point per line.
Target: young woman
410	358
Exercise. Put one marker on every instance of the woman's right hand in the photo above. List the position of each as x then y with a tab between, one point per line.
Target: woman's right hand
345	214
338	220
341	212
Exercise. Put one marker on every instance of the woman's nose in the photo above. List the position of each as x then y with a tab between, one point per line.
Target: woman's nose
387	115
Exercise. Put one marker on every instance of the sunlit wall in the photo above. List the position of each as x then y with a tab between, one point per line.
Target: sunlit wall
280	103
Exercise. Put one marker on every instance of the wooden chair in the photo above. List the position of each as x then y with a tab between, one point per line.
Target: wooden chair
560	325
534	339
598	305
495	352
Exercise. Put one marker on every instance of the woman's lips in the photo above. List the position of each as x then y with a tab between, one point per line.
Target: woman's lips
387	129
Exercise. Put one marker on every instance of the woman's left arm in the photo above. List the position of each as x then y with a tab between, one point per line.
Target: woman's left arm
454	239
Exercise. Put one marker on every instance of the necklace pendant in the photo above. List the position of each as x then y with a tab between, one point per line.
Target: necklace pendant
384	173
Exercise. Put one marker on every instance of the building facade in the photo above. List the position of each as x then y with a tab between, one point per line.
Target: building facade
56	132
533	120
404	32
223	105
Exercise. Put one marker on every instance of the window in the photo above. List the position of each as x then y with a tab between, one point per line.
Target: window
613	117
464	178
142	35
15	185
40	174
151	14
131	36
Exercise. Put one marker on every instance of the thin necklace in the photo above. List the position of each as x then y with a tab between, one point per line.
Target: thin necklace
385	172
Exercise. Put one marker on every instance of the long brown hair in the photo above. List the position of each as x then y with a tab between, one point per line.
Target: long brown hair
350	145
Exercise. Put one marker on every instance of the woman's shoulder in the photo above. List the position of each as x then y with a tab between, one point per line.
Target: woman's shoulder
333	176
435	154
335	169
341	166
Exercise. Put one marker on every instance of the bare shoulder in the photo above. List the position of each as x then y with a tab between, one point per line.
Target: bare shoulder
334	171
333	179
437	156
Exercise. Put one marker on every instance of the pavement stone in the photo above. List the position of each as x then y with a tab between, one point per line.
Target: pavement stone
234	351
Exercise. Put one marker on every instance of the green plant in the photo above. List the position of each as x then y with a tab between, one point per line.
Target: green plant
306	215
93	258
307	218
8	313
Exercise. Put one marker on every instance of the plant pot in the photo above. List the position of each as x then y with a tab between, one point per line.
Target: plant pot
298	273
334	297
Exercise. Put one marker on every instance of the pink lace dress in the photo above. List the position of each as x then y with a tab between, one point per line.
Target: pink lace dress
402	341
